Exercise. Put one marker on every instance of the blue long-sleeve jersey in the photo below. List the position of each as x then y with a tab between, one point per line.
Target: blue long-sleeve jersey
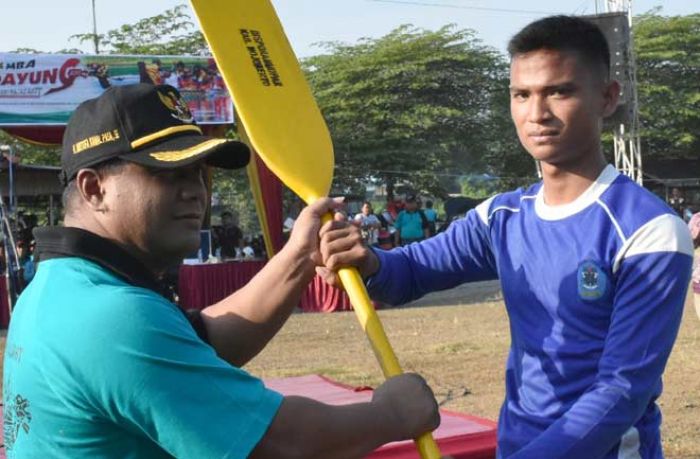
594	290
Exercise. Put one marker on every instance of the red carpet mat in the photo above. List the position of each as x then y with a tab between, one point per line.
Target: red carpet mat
460	435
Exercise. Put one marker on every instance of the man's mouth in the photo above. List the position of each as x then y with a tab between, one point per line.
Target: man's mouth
543	136
192	216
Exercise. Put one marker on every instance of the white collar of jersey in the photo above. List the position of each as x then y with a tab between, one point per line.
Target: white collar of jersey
588	197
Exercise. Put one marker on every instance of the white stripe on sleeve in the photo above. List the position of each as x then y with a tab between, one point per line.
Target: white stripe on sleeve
665	233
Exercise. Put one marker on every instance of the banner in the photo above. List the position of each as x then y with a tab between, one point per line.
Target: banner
44	89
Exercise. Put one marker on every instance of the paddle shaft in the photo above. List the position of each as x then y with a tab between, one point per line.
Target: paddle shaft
369	320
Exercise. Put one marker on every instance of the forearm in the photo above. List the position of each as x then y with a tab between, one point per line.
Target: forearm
590	429
240	326
441	262
647	311
304	428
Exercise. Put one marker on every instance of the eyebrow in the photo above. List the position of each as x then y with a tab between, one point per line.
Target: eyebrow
563	86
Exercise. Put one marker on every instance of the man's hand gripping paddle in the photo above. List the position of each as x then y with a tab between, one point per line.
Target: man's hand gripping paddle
286	128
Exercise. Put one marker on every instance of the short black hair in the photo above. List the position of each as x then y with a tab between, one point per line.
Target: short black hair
563	33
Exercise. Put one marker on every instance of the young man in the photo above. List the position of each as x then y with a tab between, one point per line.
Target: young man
99	364
594	269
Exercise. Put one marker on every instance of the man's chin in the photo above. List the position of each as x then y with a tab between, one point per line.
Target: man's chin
546	153
175	253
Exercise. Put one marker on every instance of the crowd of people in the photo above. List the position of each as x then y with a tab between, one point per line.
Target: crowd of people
401	222
684	207
229	243
203	85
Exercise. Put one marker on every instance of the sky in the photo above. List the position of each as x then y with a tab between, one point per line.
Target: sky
48	24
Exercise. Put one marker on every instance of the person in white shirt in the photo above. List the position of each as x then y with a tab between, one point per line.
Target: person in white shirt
369	223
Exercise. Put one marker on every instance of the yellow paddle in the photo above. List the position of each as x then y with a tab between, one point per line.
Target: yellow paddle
286	128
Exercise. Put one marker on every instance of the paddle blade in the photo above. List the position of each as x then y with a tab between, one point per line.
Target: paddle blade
270	93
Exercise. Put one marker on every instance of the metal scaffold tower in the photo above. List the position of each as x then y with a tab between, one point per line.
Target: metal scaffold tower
628	153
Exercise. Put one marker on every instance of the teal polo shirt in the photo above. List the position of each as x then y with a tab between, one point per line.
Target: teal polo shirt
98	366
410	225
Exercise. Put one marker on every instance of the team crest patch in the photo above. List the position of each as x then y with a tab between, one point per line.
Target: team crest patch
592	281
178	108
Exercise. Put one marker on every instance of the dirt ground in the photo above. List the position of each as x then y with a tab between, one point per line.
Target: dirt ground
459	340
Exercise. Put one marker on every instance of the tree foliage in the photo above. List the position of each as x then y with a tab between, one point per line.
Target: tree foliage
668	72
169	33
412	105
419	107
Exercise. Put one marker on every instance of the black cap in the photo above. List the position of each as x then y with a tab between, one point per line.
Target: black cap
144	124
410	198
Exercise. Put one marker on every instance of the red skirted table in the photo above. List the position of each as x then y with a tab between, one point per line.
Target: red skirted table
4	308
321	297
202	285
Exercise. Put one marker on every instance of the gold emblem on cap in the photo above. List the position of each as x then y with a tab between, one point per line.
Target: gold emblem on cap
178	108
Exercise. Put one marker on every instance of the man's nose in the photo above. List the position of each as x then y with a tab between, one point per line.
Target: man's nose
538	110
194	185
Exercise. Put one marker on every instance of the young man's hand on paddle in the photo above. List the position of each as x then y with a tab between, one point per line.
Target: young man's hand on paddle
342	246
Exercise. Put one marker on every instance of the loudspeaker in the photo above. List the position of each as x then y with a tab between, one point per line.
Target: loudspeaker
615	27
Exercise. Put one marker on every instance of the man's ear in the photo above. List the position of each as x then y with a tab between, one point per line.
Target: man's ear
91	188
611	97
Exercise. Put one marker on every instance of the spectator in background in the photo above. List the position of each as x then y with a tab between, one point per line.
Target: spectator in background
694	226
394	206
411	224
431	216
385	236
227	237
25	259
677	201
258	245
247	252
25	225
368	223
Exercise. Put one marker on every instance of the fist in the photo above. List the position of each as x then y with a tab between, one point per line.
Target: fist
409	405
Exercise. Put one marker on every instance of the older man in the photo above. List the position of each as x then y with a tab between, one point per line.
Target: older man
99	364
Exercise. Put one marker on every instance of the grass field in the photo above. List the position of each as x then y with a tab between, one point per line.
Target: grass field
459	340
